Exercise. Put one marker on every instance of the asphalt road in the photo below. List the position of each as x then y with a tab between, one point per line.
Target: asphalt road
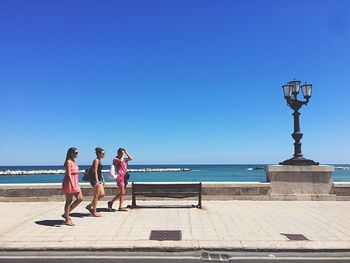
188	257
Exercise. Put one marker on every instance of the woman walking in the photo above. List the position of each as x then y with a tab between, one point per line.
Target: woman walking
121	164
70	185
97	181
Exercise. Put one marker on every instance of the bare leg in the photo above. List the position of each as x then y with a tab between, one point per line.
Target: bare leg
115	198
110	203
121	196
89	206
78	200
97	192
102	192
69	199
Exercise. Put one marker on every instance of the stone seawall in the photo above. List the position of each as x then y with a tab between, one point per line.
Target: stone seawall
211	191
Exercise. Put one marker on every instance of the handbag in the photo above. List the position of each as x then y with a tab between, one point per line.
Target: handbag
127	176
113	174
88	174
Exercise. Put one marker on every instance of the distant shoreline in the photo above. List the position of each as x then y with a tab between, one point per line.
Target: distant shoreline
141	170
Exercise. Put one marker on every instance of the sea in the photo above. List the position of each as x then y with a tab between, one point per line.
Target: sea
197	173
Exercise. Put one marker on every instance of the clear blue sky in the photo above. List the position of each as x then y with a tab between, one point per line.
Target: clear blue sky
172	81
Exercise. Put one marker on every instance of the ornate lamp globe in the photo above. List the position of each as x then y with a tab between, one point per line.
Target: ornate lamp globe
306	89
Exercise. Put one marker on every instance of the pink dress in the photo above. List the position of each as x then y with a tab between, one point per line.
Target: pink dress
66	185
122	168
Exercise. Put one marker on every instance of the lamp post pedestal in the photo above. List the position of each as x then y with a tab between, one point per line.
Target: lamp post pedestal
301	182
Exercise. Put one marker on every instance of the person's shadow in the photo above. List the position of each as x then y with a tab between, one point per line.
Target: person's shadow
59	223
105	210
54	223
80	215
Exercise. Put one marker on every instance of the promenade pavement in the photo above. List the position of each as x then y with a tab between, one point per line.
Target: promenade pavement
220	225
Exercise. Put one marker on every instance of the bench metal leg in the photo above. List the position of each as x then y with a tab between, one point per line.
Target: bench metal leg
133	202
200	196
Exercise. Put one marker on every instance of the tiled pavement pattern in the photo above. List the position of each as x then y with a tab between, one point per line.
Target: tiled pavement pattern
231	225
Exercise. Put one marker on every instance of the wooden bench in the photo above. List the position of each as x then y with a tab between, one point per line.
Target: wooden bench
173	190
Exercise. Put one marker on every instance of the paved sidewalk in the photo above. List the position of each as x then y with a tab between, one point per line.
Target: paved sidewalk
220	225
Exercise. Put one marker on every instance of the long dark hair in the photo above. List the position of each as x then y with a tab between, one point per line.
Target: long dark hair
120	150
70	153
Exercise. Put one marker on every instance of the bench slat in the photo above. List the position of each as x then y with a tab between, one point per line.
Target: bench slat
142	187
167	190
174	195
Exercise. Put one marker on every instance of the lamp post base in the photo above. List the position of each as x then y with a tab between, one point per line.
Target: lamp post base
300	182
299	161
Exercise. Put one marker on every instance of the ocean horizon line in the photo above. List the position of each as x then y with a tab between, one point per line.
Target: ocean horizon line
146	164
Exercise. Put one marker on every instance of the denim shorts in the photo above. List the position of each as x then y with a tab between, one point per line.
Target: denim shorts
93	182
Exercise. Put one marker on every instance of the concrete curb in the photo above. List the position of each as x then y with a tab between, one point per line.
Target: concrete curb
186	246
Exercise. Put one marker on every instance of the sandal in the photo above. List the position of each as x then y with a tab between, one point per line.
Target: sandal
122	209
89	209
109	204
69	223
97	215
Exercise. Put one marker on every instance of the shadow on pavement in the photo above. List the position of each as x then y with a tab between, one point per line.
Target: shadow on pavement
104	210
80	215
54	223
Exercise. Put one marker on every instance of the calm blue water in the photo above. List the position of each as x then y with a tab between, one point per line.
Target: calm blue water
202	173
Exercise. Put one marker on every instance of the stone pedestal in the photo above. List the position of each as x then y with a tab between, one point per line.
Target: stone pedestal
300	182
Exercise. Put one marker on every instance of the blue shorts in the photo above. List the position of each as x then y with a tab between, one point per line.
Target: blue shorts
93	182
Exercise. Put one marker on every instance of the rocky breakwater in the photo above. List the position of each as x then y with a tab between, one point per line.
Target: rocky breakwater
31	172
145	170
142	170
342	168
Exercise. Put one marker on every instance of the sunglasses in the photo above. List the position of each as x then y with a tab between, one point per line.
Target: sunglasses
75	152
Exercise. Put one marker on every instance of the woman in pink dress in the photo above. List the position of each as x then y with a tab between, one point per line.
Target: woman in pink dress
121	164
70	185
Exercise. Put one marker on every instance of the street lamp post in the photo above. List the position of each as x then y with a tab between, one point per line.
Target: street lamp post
291	90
